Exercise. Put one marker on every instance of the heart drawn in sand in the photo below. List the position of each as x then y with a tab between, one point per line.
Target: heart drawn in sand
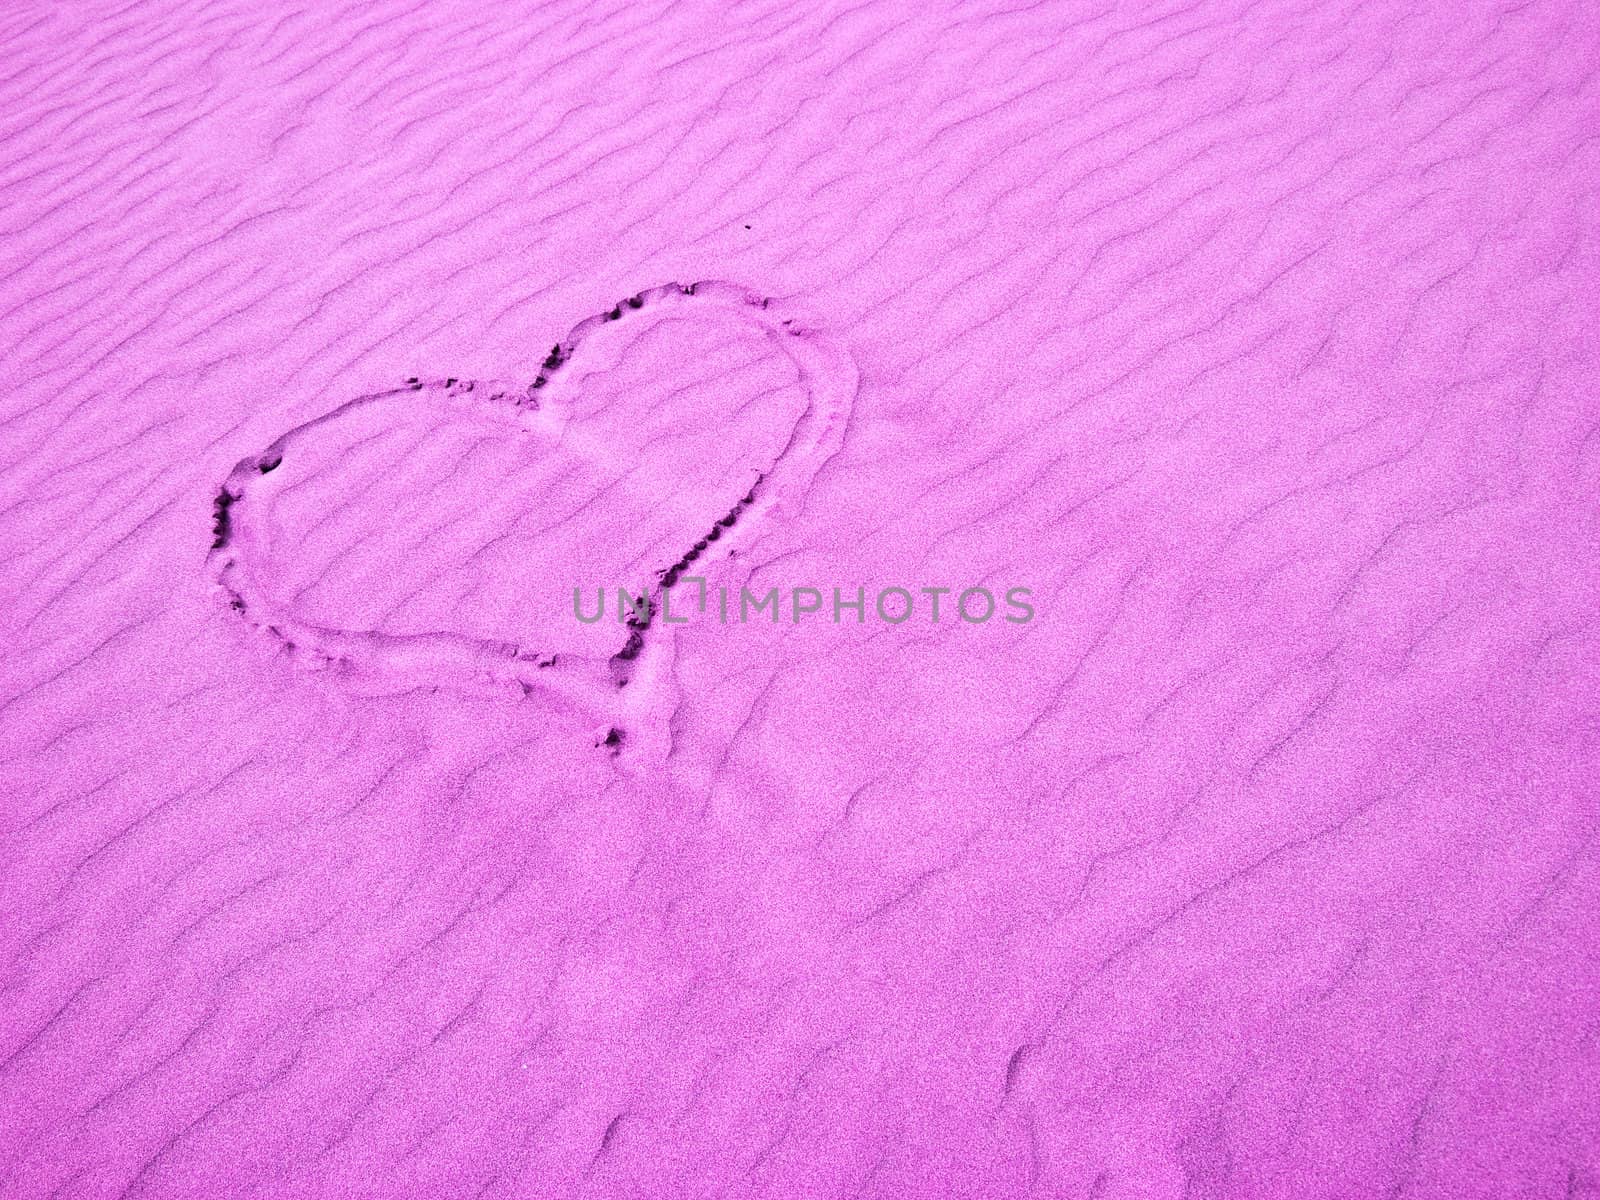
433	535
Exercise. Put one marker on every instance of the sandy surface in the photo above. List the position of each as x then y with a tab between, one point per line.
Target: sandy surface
340	856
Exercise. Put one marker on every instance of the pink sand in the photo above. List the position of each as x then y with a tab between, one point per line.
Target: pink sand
1256	337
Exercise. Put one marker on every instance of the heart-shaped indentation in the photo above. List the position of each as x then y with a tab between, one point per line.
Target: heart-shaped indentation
434	534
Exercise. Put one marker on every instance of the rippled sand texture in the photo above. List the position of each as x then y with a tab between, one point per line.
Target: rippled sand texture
342	342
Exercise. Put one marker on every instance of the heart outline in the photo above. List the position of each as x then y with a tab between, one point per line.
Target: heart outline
372	661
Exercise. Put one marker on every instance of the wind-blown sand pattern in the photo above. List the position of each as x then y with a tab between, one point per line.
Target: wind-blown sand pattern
1256	338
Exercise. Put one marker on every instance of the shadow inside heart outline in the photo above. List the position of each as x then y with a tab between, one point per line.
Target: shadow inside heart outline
620	690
